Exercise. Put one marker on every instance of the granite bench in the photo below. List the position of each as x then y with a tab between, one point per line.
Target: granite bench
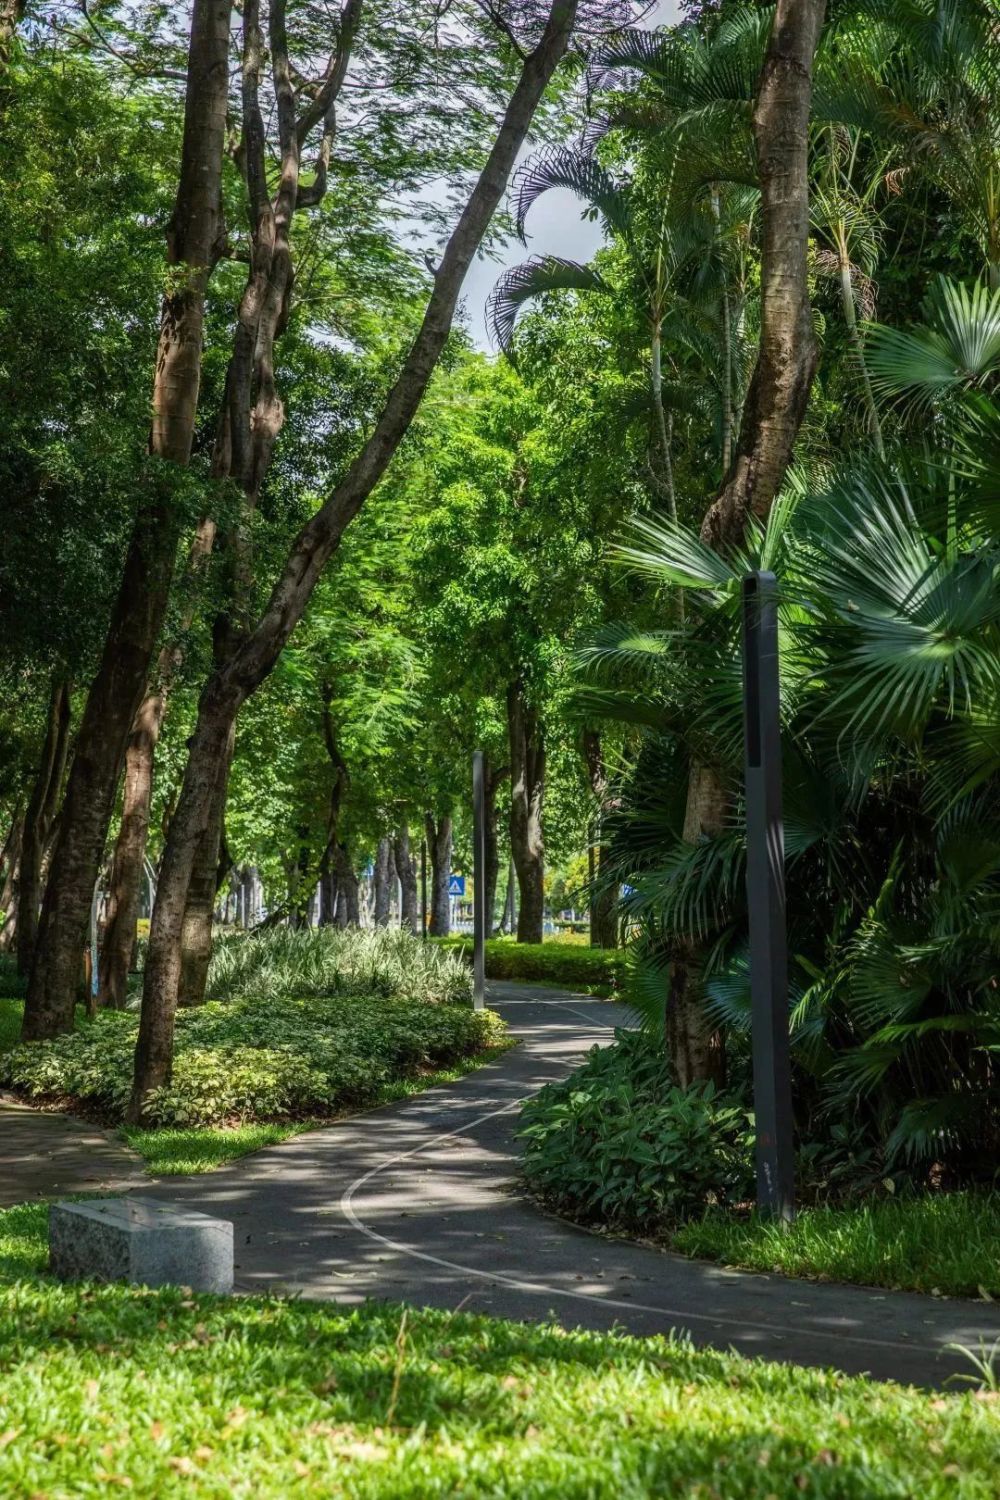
141	1241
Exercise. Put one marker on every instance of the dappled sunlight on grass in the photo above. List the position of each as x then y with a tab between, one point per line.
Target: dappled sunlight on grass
947	1243
168	1393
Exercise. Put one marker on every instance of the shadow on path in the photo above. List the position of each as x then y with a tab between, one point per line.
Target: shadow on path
414	1201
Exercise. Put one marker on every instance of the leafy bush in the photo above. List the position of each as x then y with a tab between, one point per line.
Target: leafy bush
559	963
618	1142
331	961
257	1059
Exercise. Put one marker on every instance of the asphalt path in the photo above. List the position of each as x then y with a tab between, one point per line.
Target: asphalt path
418	1202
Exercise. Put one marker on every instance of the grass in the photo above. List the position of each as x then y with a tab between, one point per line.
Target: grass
107	1390
10	1022
948	1243
183	1151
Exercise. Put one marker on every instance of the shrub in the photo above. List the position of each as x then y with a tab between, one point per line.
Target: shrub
328	961
257	1059
619	1143
559	963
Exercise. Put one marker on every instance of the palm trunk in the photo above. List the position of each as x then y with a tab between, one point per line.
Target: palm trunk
857	347
194	241
772	416
439	838
254	658
727	345
603	894
666	443
527	793
38	818
406	869
385	871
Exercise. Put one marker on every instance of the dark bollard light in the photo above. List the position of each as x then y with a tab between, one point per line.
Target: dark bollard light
479	881
772	1078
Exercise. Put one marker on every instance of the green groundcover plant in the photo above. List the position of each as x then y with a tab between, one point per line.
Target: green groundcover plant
258	1059
113	1389
619	1143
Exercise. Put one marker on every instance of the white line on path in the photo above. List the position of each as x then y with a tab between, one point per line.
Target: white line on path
544	1289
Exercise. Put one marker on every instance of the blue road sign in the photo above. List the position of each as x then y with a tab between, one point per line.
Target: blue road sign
456	885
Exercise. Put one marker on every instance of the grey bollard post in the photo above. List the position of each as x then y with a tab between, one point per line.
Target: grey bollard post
479	881
772	1079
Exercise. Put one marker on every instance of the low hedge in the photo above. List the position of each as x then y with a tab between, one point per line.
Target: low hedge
565	964
249	1060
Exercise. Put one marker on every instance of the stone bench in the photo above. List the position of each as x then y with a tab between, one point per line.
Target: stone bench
141	1241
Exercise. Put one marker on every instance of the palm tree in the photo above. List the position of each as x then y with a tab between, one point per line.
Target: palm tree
674	260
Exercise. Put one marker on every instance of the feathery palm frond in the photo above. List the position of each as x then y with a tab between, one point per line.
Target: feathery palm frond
548	273
561	167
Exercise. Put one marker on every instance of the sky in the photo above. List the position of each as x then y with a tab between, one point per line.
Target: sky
554	227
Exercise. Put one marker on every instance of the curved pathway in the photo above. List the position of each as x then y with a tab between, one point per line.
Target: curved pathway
416	1201
44	1154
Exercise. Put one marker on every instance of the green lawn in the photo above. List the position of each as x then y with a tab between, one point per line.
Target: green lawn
948	1243
10	1023
110	1389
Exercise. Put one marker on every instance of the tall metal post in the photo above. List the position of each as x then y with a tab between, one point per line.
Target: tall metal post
423	888
478	881
772	1080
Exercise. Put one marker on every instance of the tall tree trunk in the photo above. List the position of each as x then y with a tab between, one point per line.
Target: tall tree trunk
41	810
348	889
439	838
786	359
229	686
129	860
8	890
772	416
194	241
203	892
406	869
327	890
527	794
252	411
11	12
495	776
385	873
10	855
130	851
603	893
509	918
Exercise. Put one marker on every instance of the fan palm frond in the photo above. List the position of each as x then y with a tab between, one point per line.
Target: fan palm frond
955	349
